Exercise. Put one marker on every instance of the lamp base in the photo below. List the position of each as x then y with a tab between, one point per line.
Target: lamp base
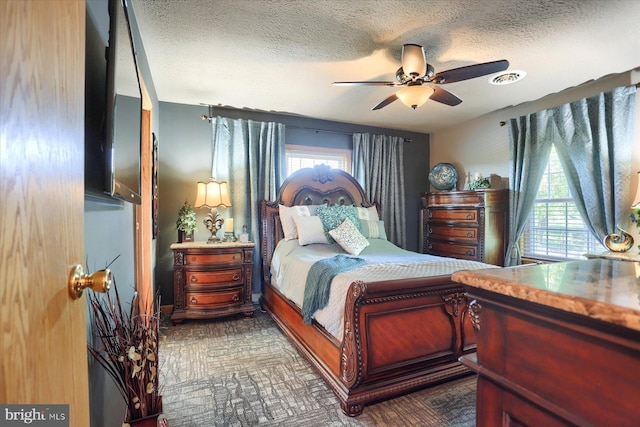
213	222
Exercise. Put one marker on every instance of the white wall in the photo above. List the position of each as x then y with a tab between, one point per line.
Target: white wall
482	145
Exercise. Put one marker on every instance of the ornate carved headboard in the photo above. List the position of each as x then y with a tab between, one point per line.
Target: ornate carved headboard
309	186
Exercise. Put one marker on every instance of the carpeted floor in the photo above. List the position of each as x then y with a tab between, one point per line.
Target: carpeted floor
244	372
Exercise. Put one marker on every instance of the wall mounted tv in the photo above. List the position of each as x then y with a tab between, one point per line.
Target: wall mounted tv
113	110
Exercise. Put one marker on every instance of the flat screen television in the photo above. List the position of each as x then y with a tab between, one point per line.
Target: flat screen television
113	110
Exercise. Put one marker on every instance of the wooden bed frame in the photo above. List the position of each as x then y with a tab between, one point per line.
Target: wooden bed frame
399	335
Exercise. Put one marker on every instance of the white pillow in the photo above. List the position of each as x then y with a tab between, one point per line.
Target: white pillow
349	238
370	213
310	230
373	229
286	219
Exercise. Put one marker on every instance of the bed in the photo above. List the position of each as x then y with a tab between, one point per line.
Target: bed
394	335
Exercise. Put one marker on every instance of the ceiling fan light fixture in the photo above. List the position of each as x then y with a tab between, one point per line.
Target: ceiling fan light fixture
413	61
414	96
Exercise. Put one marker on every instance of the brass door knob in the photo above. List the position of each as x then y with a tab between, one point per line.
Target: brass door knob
100	281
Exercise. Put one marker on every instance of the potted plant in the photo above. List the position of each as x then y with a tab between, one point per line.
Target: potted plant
125	344
186	223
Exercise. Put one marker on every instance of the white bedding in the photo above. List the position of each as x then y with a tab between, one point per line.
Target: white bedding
291	263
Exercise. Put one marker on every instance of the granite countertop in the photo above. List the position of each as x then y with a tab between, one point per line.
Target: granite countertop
602	289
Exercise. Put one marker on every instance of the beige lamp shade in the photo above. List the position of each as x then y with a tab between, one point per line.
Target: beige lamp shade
414	96
636	200
212	194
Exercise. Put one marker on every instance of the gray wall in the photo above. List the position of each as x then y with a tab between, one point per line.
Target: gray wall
109	230
185	158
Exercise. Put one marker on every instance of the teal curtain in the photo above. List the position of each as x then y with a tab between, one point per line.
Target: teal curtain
593	138
530	143
250	155
595	147
378	167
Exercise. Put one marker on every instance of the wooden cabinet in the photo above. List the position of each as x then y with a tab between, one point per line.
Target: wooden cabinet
558	344
211	280
465	224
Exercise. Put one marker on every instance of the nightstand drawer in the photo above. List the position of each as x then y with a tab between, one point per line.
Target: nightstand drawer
446	232
469	216
216	299
453	250
233	258
204	278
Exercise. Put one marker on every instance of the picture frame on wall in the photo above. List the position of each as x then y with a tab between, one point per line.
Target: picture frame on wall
154	186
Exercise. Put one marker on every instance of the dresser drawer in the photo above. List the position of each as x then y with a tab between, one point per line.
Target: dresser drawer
215	299
467	216
453	250
227	259
204	278
446	232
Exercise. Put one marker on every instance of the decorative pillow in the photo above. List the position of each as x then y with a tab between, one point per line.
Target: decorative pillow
349	238
286	218
309	230
370	213
333	216
373	229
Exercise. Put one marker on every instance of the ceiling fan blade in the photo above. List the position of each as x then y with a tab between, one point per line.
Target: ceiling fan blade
413	61
470	72
444	96
371	83
386	102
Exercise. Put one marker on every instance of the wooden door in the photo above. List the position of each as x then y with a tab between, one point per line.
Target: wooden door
43	354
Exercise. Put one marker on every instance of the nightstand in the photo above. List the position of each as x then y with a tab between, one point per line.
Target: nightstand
211	280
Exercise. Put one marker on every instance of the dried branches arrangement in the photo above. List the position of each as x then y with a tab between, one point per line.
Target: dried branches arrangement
126	346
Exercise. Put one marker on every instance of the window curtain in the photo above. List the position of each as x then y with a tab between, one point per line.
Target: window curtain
593	138
378	167
250	155
530	143
595	147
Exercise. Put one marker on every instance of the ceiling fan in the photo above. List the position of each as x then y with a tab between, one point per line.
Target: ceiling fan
420	82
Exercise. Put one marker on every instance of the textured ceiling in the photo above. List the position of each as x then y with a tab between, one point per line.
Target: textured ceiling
282	55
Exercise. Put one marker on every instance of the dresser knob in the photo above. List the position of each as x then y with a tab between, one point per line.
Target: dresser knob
430	231
193	279
235	257
194	301
469	234
430	246
236	297
469	252
430	215
469	216
236	276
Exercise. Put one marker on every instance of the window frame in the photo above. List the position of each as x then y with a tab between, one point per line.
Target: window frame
311	151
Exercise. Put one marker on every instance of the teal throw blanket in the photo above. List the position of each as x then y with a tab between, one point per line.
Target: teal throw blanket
321	273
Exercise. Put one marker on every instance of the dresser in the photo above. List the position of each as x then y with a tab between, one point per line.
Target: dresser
557	344
465	224
211	280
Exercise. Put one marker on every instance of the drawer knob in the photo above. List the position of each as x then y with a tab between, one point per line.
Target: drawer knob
469	215
430	246
194	301
193	279
469	234
236	297
235	257
469	252
430	230
430	215
236	276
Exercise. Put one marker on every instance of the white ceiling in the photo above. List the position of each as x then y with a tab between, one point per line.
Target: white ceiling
282	55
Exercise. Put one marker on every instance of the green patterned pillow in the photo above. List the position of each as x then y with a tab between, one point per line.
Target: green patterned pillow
373	229
349	238
333	216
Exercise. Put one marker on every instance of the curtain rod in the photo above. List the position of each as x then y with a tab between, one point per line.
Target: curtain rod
408	140
502	122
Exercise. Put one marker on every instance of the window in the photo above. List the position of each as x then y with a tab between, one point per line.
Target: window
301	156
555	229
